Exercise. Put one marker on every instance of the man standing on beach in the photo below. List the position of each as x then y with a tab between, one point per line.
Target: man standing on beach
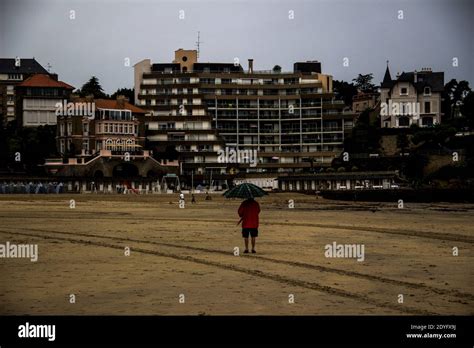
248	212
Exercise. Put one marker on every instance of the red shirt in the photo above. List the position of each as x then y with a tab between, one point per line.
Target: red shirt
249	211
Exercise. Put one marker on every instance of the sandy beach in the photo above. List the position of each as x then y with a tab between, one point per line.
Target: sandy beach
184	262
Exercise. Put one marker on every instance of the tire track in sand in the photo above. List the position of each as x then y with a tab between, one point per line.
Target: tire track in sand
278	278
320	268
451	237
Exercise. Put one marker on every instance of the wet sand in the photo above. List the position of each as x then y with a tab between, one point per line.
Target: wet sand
191	252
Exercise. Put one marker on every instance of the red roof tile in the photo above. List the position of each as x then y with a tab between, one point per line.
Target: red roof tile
44	80
111	104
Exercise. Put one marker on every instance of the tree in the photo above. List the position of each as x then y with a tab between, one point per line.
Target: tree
3	143
434	136
364	83
365	137
402	141
33	144
344	91
455	92
127	92
467	109
92	87
277	69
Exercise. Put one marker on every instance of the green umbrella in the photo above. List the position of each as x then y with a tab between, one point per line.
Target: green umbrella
245	190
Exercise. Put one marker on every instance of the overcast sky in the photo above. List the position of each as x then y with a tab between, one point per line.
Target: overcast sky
368	32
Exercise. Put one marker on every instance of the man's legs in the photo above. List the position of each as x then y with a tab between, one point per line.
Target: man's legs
253	243
246	240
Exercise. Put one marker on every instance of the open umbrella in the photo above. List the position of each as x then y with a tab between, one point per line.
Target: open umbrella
245	191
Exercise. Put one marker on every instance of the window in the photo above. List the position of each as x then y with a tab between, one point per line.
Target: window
126	115
69	128
403	91
85	128
403	121
427	91
427	107
427	121
185	59
61	129
85	145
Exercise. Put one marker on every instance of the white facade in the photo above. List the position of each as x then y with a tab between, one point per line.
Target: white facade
39	112
409	100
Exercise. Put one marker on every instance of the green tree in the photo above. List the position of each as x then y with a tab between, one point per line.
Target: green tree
344	91
455	92
467	109
3	143
364	83
277	69
92	87
127	92
402	141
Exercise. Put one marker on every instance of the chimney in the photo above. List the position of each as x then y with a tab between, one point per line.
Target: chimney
415	77
121	100
54	76
89	98
250	66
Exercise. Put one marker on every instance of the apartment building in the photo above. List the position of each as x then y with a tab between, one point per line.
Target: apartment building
290	120
12	72
411	98
37	97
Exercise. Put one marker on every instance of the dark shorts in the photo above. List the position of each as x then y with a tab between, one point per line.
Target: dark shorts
252	231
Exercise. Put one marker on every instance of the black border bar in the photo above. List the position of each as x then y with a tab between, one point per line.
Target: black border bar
228	330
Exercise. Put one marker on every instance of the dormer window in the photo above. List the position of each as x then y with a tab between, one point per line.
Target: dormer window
403	91
427	91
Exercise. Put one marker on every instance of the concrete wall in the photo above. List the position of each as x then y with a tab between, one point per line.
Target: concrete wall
140	68
186	58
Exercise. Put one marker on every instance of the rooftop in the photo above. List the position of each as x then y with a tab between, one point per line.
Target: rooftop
44	80
27	66
424	78
112	104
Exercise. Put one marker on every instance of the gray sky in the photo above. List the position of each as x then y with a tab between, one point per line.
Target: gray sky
367	32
